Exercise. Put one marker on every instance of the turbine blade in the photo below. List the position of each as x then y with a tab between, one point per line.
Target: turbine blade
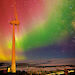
15	10
18	28
16	15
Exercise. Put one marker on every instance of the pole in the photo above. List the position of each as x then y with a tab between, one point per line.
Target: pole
13	65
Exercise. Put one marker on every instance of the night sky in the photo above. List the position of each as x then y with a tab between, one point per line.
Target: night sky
46	30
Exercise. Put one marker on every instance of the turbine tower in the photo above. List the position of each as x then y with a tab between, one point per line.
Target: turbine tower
14	23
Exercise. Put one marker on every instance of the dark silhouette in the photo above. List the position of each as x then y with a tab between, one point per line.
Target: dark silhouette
4	72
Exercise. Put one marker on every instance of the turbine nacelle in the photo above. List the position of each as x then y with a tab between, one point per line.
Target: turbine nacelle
15	22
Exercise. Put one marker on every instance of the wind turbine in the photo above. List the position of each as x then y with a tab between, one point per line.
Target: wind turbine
14	23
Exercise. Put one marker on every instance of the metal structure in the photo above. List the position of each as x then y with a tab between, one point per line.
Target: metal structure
14	23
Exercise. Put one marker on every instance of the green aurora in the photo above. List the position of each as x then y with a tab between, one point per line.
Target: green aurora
56	28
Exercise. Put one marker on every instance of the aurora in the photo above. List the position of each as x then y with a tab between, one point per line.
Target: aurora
43	24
